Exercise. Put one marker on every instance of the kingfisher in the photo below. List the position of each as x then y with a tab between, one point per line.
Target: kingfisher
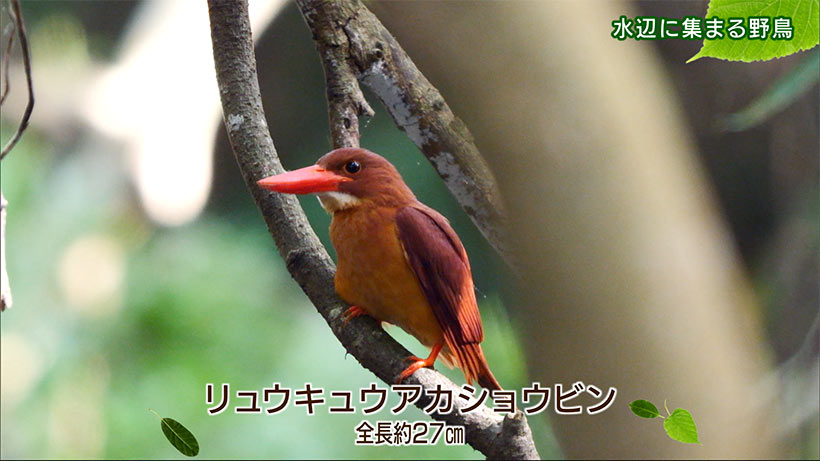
399	261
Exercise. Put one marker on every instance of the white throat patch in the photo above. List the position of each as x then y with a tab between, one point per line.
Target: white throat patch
336	201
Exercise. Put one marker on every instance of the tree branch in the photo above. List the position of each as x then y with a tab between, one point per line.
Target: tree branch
18	27
345	101
351	40
6	57
17	16
306	258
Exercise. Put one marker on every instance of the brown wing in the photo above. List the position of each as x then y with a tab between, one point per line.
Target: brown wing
440	263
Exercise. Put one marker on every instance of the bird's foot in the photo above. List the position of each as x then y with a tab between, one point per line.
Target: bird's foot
353	312
419	363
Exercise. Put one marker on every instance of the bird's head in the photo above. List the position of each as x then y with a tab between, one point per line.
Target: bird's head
345	178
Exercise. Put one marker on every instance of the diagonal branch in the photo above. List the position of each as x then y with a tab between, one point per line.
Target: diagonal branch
352	41
306	258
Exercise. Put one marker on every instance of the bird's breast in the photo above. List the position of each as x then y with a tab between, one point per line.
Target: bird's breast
373	273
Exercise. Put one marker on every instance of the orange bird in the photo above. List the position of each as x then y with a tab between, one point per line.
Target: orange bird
399	260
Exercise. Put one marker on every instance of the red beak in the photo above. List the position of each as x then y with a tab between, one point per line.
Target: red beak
306	180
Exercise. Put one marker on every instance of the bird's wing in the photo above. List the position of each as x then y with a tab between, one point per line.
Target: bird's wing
440	263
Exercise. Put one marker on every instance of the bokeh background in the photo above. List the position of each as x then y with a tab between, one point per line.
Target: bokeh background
667	254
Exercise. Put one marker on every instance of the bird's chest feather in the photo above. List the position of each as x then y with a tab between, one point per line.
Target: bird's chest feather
373	273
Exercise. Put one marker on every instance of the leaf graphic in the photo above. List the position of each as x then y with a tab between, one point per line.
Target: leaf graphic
681	427
804	19
644	409
181	438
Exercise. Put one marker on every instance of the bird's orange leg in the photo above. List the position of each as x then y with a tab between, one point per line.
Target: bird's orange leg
353	312
420	363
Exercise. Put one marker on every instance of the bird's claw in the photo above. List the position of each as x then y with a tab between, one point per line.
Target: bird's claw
417	364
410	370
353	312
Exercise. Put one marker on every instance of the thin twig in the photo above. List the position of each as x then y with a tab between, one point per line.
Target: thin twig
19	27
21	34
306	258
349	36
12	30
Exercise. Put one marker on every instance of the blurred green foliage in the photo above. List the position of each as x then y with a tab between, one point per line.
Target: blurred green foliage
783	92
86	352
206	302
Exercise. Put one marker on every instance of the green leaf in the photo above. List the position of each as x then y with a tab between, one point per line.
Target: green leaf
180	437
644	409
804	17
681	427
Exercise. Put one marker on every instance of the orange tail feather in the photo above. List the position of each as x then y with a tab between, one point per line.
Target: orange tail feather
470	358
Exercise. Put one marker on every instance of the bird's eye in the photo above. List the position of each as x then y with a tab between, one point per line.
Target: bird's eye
353	167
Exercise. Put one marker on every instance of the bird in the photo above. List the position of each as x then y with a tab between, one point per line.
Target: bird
398	260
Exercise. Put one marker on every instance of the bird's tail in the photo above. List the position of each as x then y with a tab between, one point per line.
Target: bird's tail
470	358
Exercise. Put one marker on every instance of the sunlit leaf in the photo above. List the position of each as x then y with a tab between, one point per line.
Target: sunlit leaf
681	427
804	19
644	409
